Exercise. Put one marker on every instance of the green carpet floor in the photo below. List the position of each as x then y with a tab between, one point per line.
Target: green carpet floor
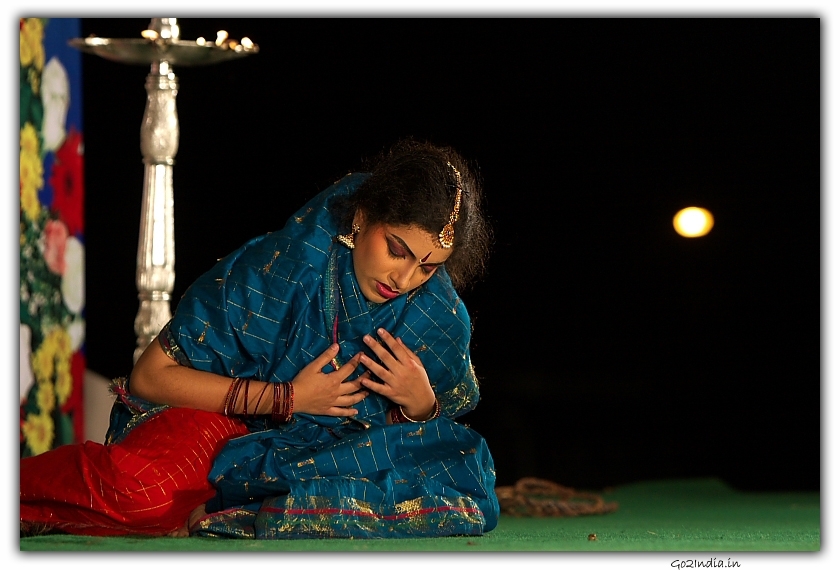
702	515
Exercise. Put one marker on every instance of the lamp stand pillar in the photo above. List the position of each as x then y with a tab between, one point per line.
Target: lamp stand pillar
156	249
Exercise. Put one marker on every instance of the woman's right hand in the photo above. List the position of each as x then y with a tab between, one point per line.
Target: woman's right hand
327	394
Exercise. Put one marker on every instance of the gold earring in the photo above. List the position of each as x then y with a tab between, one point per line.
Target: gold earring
349	240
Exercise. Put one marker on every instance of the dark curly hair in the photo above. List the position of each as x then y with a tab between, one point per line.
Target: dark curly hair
412	184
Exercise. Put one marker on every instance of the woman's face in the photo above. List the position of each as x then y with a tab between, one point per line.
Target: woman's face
392	260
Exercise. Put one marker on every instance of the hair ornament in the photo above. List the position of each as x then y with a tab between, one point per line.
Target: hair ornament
447	234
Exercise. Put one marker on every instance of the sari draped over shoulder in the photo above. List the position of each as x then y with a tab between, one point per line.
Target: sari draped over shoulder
267	310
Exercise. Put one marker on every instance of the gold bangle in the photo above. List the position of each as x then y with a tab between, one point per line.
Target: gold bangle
434	415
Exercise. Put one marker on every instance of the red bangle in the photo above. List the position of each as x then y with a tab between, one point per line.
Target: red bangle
235	396
278	401
284	405
226	403
259	400
229	407
289	402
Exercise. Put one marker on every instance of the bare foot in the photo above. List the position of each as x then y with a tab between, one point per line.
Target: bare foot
184	531
196	515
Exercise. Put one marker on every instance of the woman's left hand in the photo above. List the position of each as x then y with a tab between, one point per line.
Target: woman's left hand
404	378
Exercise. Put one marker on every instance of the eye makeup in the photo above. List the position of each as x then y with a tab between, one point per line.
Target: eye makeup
394	249
398	249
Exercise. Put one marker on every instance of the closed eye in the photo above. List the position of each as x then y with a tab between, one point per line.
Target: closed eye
428	269
395	251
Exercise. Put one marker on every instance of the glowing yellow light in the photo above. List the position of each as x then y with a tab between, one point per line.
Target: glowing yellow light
693	222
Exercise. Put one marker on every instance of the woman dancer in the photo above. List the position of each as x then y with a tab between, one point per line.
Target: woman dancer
306	385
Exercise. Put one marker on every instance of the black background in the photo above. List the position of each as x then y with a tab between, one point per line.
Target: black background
609	349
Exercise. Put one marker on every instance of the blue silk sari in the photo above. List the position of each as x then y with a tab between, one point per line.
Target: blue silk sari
266	311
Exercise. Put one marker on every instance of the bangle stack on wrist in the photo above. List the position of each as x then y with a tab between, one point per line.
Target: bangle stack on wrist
284	403
398	415
282	407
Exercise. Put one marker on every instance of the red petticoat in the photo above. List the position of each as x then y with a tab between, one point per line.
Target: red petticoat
148	484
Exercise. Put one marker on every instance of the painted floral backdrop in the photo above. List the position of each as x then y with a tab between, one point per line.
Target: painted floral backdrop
52	247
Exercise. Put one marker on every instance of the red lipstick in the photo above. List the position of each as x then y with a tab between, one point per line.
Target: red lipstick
385	291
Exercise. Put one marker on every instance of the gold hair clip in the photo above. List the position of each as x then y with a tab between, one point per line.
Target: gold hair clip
447	234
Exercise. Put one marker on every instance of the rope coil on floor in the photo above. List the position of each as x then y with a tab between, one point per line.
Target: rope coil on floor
534	497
